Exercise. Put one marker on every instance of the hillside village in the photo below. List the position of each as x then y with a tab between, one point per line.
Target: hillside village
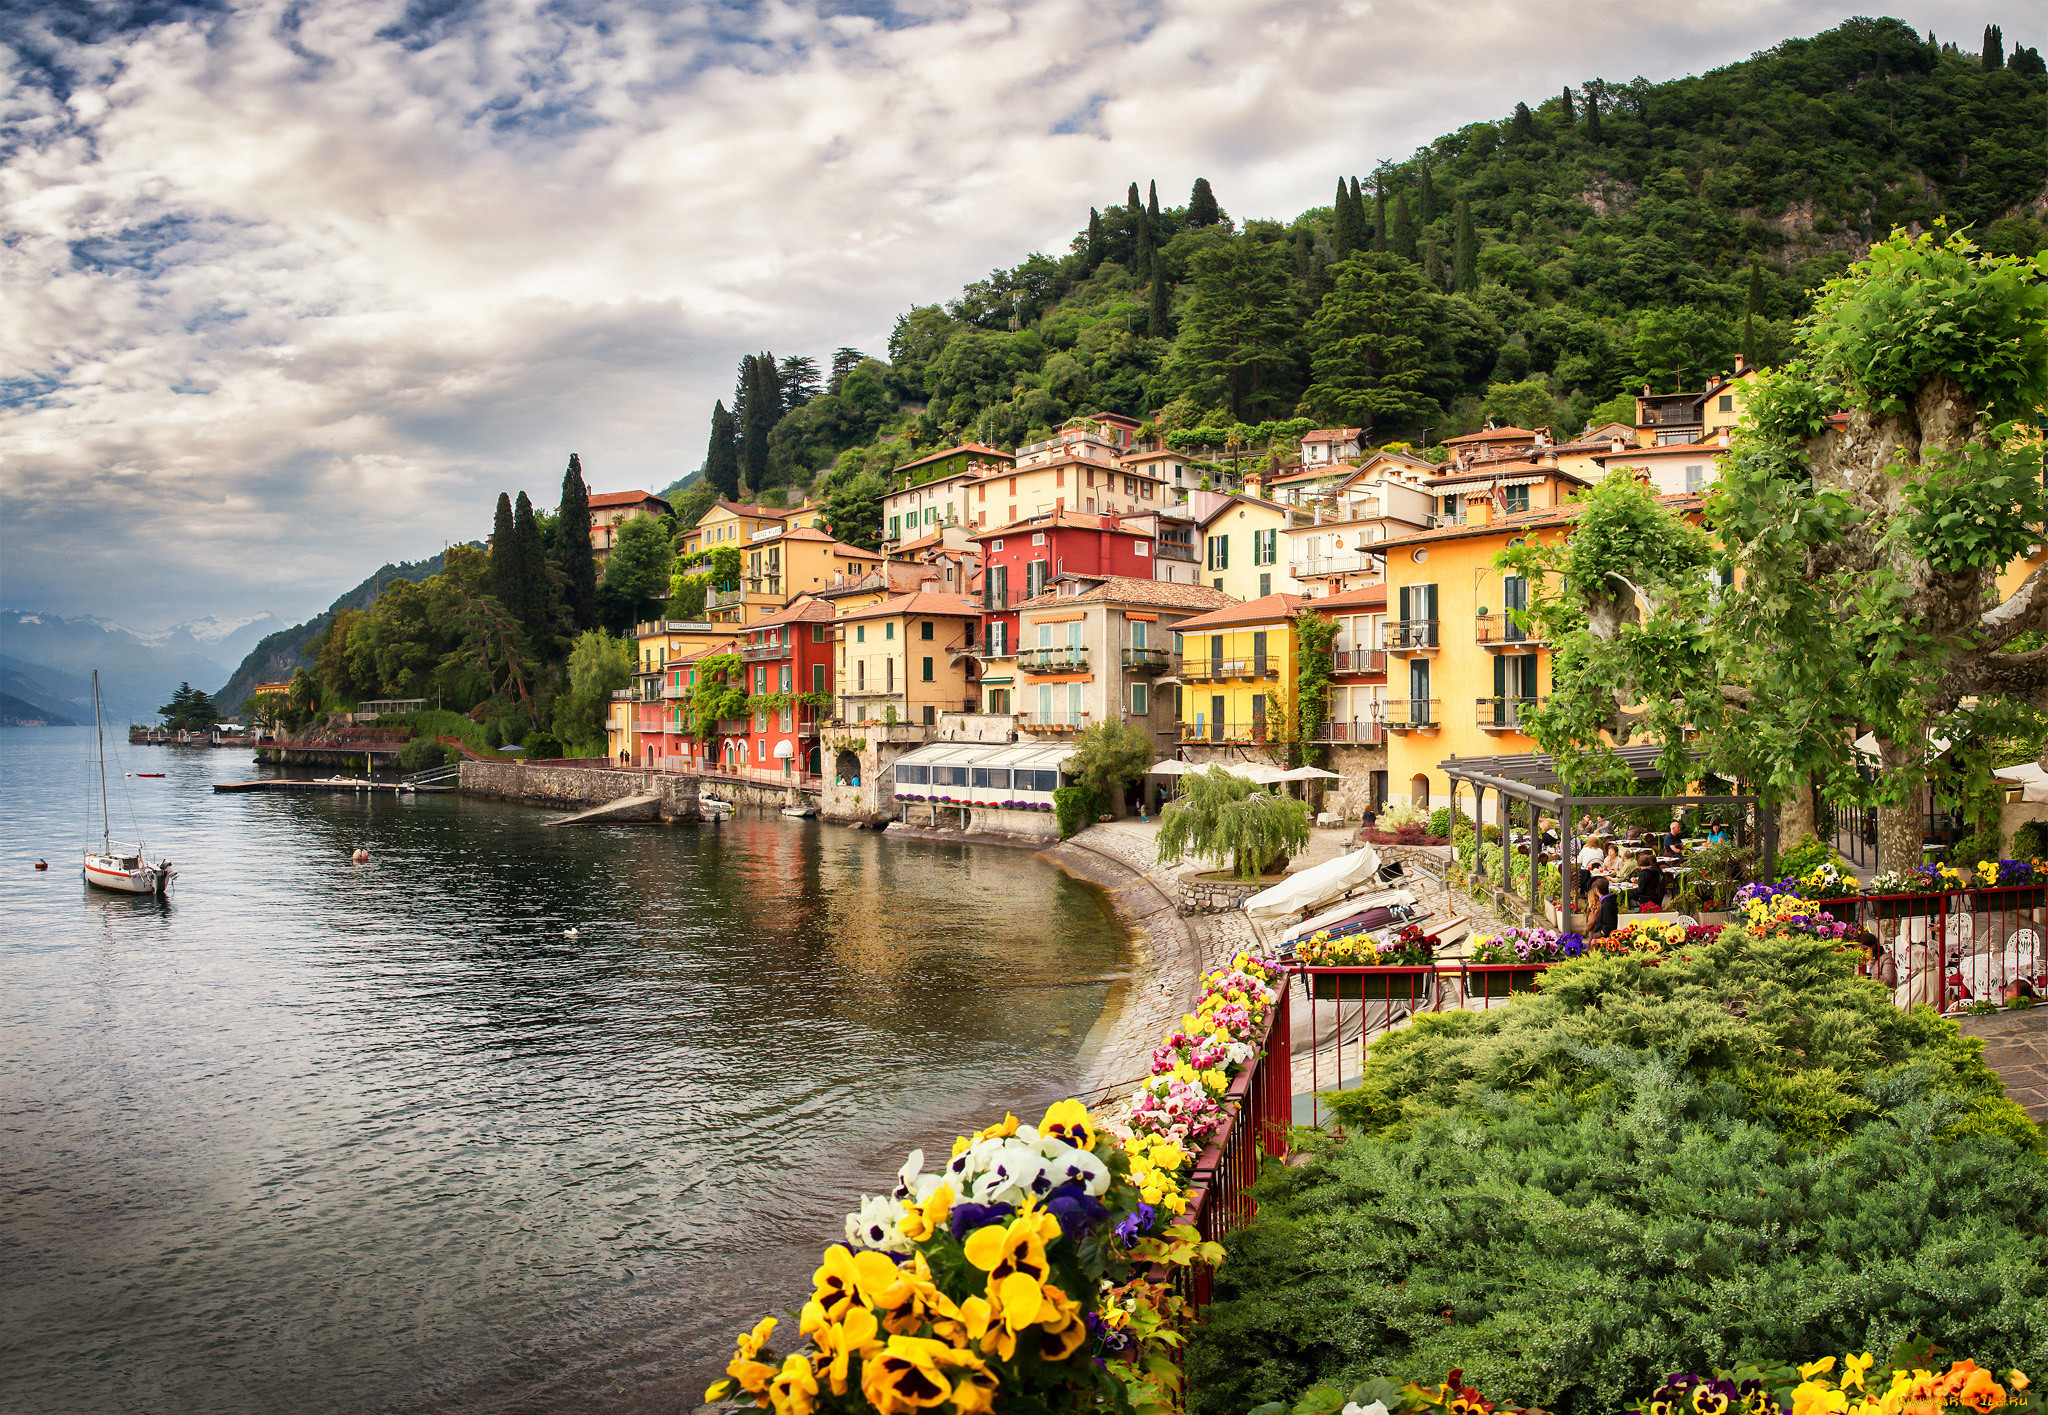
1098	575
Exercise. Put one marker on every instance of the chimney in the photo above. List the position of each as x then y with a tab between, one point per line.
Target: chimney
1738	363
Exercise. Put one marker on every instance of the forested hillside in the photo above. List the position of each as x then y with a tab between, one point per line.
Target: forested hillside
278	655
1529	270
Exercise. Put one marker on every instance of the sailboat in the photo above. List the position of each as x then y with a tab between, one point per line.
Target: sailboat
118	867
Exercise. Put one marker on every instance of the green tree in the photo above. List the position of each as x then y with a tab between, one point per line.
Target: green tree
331	658
844	360
1565	106
1677	349
1232	823
189	710
504	553
1110	756
1593	134
1155	311
1202	208
598	664
1233	345
635	574
1347	237
1380	242
1091	252
1522	126
532	605
797	377
722	458
1152	204
1369	360
572	554
853	508
1528	403
1467	259
1403	242
1425	193
1752	301
760	409
1993	56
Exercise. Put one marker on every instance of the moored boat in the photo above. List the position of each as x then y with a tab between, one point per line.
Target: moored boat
124	869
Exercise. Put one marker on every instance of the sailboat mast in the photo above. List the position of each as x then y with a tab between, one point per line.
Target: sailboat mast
100	736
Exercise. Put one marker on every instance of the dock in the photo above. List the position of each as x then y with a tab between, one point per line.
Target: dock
330	783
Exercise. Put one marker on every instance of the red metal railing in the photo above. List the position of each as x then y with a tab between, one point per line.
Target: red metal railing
1954	948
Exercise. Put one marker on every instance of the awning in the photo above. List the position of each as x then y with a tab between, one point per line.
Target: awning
998	681
1313	888
1309	773
784	749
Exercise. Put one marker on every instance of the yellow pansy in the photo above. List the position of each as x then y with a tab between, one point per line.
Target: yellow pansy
1003	1130
1853	1369
1818	1397
1816	1368
906	1376
858	1335
1060	1316
836	1283
920	1221
1068	1120
794	1391
974	1391
750	1345
717	1391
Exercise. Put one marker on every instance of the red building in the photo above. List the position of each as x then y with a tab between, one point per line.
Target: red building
787	658
1020	560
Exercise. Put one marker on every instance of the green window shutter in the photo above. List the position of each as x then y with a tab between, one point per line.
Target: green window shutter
1500	675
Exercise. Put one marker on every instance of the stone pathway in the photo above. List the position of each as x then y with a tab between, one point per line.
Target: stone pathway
2016	1047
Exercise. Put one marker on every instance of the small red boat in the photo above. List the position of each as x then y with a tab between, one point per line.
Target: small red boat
149	773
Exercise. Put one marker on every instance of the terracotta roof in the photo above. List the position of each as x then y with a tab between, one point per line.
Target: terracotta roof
1519	521
1669	449
805	609
623	498
1494	471
1367	597
891	577
1248	500
1493	434
729	646
1332	434
769	513
839	547
952	452
918	602
1326	469
1253	611
1124	589
1064	516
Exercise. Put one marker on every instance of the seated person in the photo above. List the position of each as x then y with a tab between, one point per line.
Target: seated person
1621	868
1604	910
1650	883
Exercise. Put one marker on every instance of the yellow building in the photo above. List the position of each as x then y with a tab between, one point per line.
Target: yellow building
908	658
1237	672
778	564
730	523
1244	548
611	509
1663	418
621	737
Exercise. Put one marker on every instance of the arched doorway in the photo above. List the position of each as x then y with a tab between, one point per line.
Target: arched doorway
1418	791
846	768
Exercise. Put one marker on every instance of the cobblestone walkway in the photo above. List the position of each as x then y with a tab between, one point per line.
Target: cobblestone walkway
2016	1047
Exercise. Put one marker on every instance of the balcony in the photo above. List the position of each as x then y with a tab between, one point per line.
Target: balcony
672	693
1411	636
1147	660
1056	722
1170	550
1063	658
1204	730
1356	732
762	652
1367	661
1499	631
1504	714
622	695
721	598
1348	562
734	726
1413	714
648	690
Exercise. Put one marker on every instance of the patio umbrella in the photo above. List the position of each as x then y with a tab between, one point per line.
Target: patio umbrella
1309	773
2028	776
1257	771
1170	767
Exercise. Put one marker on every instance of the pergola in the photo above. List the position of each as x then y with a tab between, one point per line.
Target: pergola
1532	779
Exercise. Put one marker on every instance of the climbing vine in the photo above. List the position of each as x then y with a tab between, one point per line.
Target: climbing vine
1315	639
720	692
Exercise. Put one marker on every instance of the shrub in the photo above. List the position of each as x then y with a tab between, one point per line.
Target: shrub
542	746
1074	806
1807	853
1440	821
2030	841
1394	817
1232	822
421	753
1745	1150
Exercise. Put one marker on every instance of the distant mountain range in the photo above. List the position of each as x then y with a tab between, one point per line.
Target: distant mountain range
46	661
16	713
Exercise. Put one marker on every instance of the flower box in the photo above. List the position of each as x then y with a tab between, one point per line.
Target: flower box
1362	983
1910	906
2005	899
1501	979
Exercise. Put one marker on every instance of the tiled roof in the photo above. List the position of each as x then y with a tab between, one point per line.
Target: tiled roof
1520	467
1064	516
1332	434
1493	434
839	547
1248	500
1520	521
806	609
727	647
1668	449
917	602
1367	597
623	498
971	447
1124	589
765	513
1253	611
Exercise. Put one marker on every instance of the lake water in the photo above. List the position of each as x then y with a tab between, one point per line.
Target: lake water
317	1137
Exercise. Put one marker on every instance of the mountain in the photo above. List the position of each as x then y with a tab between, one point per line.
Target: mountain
226	641
1530	270
136	677
274	656
16	713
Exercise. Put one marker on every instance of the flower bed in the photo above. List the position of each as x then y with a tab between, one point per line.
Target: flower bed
1025	1270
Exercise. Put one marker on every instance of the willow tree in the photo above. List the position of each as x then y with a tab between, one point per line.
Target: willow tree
1233	823
1881	512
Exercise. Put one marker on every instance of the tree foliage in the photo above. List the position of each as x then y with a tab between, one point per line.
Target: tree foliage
1110	756
1370	361
575	563
189	710
1234	823
636	573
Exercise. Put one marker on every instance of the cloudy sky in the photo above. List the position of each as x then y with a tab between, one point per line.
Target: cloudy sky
289	288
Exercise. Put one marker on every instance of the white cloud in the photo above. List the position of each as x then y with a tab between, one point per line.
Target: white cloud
295	288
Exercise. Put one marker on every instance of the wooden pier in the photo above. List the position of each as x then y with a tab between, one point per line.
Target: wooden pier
331	783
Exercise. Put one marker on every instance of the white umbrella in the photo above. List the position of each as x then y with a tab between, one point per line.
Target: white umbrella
1170	767
1309	773
1256	771
2028	776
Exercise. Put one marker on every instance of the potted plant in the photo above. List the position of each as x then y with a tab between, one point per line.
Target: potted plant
1406	947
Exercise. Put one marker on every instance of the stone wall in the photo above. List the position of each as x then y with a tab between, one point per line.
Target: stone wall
1352	796
1215	896
874	749
577	788
1027	827
1202	753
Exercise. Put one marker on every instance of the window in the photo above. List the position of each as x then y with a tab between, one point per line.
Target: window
1035	578
786	719
1141	705
1695	477
927	668
761	720
1139	632
1265	547
1045	636
931	715
1514	498
924	631
991	778
931	515
860	633
1074	701
817	677
999	700
1059	477
949	776
995	545
895	528
760	680
1217	583
1219	554
889	630
888	675
1027	780
818	633
1144	548
1074	634
908	775
1038	538
1726	403
1013	486
860	676
1265	584
999	640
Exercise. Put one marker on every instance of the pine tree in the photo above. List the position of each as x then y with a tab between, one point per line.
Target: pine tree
1370	360
844	360
1236	328
2026	60
1403	240
1155	320
1145	255
1379	216
532	608
1432	264
1750	306
1522	127
1994	47
1467	256
1304	254
1345	237
1202	209
504	555
1425	195
1152	202
1570	116
722	457
798	379
572	553
1592	116
1091	254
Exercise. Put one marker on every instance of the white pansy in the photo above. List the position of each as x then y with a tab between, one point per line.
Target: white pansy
877	1225
1378	1407
1082	1167
1013	1172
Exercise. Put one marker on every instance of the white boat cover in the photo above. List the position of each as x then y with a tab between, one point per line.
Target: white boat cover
1357	904
1333	879
2028	776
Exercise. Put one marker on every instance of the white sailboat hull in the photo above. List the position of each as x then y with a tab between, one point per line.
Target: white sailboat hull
123	877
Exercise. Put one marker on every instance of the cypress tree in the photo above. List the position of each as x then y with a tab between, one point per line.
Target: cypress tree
1345	238
1404	229
1592	116
1091	254
1202	208
1152	201
757	417
1467	257
1379	216
1750	306
1133	203
1156	314
722	458
505	555
1145	260
572	551
1304	254
1432	264
531	610
1425	195
1521	127
1994	47
1570	116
